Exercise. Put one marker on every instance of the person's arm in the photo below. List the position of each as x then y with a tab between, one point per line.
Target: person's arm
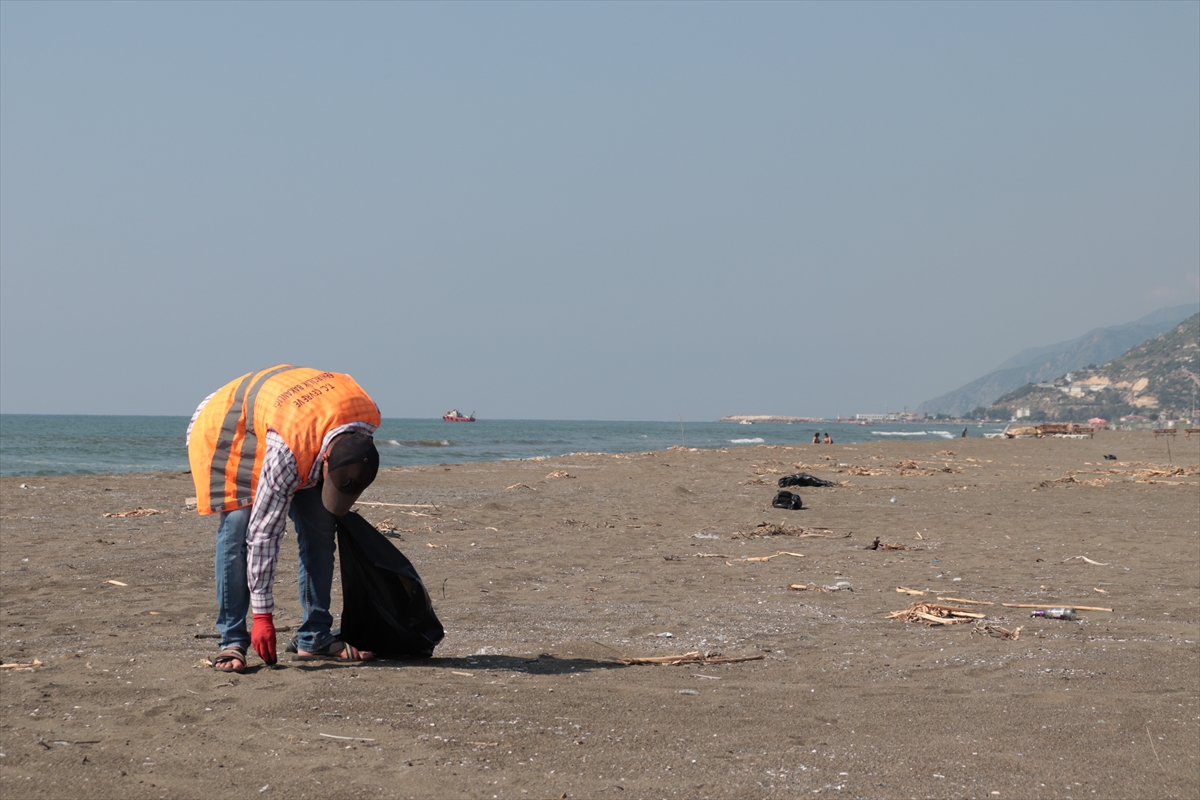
277	483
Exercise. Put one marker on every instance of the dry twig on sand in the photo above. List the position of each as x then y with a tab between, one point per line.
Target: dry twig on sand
137	512
694	657
906	590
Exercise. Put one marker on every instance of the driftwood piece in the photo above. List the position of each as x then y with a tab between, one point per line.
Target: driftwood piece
27	665
906	590
694	657
987	629
1084	558
935	614
137	512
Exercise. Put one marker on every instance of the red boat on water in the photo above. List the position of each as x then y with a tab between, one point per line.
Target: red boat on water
453	415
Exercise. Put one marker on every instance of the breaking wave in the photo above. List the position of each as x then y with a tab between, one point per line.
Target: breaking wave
940	434
748	441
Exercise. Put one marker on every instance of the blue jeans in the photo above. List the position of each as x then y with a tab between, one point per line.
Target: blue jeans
316	536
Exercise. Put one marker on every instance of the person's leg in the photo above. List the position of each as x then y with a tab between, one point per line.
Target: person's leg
233	592
316	536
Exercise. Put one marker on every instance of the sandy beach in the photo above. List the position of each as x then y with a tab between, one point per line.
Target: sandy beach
547	573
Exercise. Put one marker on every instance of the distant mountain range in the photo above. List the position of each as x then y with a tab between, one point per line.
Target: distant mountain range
1039	364
1159	378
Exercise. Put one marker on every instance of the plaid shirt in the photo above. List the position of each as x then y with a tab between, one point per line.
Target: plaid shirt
278	481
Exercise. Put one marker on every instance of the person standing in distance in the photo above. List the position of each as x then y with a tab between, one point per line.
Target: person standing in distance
282	442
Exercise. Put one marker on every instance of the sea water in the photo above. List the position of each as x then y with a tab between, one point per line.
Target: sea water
34	444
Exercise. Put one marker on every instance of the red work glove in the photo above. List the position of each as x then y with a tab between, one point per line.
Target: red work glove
262	637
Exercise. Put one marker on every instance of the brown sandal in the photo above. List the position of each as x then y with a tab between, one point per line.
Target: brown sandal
231	659
337	650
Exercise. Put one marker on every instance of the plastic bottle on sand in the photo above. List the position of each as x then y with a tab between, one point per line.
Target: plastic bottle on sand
1055	613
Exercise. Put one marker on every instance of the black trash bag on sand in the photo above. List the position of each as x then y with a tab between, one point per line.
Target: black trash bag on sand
802	479
385	606
787	500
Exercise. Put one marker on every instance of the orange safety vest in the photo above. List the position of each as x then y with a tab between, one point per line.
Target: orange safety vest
229	437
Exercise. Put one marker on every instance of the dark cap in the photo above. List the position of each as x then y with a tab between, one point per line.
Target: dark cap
352	462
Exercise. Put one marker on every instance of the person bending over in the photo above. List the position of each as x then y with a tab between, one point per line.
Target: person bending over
282	442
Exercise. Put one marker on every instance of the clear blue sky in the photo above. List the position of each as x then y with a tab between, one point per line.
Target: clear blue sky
588	211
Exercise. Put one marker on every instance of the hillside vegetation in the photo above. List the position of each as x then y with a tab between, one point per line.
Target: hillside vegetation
1157	379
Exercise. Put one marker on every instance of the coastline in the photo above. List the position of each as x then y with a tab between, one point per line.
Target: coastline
545	572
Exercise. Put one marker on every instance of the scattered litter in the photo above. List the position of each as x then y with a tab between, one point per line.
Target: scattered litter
560	473
1084	558
1055	613
987	629
1035	605
935	614
693	657
878	545
803	479
27	486
812	587
703	535
666	635
519	486
137	512
1101	591
464	674
772	529
117	583
686	691
787	500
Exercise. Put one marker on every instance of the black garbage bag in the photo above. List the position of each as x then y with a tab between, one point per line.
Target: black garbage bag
385	606
802	479
787	500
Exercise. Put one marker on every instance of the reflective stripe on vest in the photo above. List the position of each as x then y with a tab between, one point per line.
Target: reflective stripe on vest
301	405
243	403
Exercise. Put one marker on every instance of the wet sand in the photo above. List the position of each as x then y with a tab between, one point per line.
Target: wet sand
545	573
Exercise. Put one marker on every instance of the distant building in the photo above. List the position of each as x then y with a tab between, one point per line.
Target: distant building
1023	413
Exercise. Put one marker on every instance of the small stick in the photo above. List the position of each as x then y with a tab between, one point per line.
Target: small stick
1056	605
396	505
117	583
345	738
906	590
968	602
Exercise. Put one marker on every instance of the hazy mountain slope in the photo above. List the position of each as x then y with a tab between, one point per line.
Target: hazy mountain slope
1160	376
1046	363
